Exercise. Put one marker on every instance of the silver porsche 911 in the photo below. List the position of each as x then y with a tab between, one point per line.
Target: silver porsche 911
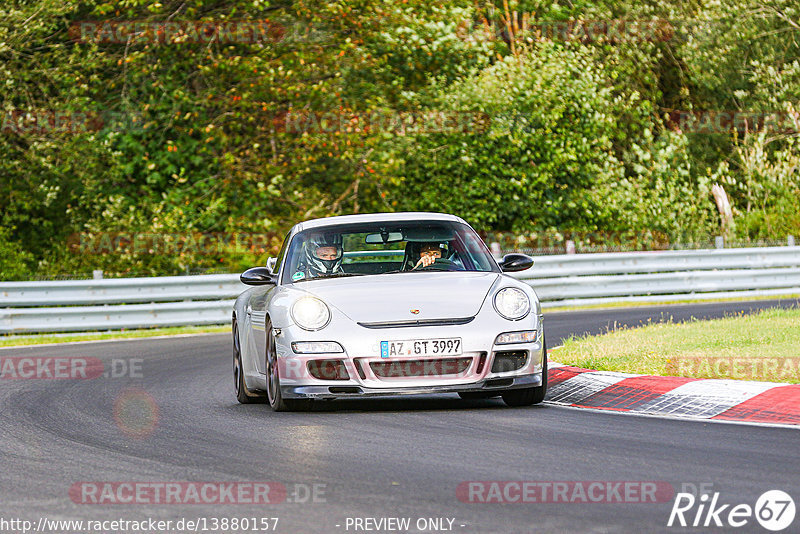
387	304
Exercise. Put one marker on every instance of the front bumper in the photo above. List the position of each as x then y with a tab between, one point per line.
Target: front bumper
486	385
408	375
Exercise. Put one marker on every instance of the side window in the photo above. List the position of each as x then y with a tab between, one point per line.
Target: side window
292	257
475	251
281	255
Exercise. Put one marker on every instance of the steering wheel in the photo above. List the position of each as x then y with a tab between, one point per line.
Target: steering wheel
440	263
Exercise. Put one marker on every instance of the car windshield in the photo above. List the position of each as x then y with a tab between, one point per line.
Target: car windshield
383	248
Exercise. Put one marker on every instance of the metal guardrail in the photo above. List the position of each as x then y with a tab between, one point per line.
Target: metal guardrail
170	301
85	318
663	261
701	284
563	280
120	290
587	279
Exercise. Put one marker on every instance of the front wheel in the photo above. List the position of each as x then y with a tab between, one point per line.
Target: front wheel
274	396
243	395
529	396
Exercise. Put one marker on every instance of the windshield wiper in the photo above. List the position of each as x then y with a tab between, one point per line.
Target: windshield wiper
429	269
332	275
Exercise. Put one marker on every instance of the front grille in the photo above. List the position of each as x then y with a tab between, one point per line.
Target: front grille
509	360
420	368
419	322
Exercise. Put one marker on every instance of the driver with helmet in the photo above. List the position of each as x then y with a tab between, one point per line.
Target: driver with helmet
322	255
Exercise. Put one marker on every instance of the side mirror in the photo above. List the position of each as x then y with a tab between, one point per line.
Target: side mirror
258	276
515	262
271	264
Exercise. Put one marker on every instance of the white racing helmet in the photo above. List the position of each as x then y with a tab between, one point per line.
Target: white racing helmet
317	266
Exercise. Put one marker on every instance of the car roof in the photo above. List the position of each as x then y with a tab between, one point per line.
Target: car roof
376	217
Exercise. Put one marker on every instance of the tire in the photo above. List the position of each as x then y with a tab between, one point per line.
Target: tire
243	395
529	396
274	396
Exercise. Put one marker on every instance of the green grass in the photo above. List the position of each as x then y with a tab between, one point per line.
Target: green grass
763	346
41	339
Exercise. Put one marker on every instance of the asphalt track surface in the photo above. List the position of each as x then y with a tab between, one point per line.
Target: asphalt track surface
375	458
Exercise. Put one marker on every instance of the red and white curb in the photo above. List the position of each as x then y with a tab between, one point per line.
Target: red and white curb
696	398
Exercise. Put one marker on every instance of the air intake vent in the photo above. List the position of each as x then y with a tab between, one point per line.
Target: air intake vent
510	360
328	369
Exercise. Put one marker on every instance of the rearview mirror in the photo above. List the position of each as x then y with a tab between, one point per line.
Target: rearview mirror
258	276
515	262
378	239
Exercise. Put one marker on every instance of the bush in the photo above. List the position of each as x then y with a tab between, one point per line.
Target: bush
552	125
15	263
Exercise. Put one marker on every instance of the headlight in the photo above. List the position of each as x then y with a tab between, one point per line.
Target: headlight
310	313
512	303
316	347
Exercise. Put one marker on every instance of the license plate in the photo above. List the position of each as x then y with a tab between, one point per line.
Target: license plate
450	346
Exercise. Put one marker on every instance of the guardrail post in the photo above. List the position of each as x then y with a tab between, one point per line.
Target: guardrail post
570	246
719	241
790	240
97	274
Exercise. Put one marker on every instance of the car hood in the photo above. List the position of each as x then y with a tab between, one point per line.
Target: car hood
392	297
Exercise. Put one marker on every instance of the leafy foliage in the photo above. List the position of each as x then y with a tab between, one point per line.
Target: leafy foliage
549	140
189	137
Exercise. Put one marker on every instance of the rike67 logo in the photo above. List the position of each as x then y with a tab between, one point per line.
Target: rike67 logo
774	510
